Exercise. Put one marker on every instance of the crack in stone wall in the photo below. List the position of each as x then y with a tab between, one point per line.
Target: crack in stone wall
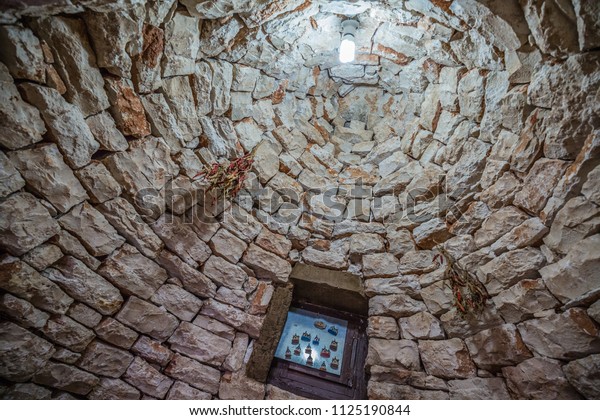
458	126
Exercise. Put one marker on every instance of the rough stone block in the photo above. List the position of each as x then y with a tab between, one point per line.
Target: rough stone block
200	344
539	379
147	69
193	373
47	175
126	107
428	279
132	272
152	351
23	281
27	391
386	391
11	178
22	124
393	353
21	353
66	356
576	275
227	245
182	391
84	315
241	223
576	220
380	265
22	311
64	331
84	285
497	347
178	301
76	62
583	374
224	273
365	243
272	242
92	229
332	258
148	319
235	359
526	234
66	124
431	233
180	239
421	325
105	360
98	182
400	376
43	256
438	297
250	324
502	193
22	53
448	359
216	327
417	262
457	324
147	379
506	270
146	166
523	300
498	224
591	186
70	245
237	386
567	336
383	327
594	311
261	298
24	223
266	265
114	33
113	332
193	281
162	120
105	131
237	298
67	378
396	306
470	220
552	27
478	389
123	217
182	41
539	184
392	286
114	389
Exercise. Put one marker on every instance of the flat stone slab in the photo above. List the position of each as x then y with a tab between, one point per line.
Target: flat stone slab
200	344
21	353
147	318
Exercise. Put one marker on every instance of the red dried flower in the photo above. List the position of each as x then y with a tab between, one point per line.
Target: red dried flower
228	177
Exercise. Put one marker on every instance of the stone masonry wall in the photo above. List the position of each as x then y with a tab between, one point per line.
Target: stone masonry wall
458	126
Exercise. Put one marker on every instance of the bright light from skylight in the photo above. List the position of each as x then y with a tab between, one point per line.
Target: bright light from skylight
347	51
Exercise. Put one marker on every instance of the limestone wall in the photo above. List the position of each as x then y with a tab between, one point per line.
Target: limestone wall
458	126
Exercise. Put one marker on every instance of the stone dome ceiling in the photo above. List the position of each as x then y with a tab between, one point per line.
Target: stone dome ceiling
465	126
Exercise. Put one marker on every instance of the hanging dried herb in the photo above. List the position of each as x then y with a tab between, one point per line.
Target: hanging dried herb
469	294
228	177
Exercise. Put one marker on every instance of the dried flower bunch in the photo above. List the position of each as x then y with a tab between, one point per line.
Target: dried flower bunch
469	294
228	177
